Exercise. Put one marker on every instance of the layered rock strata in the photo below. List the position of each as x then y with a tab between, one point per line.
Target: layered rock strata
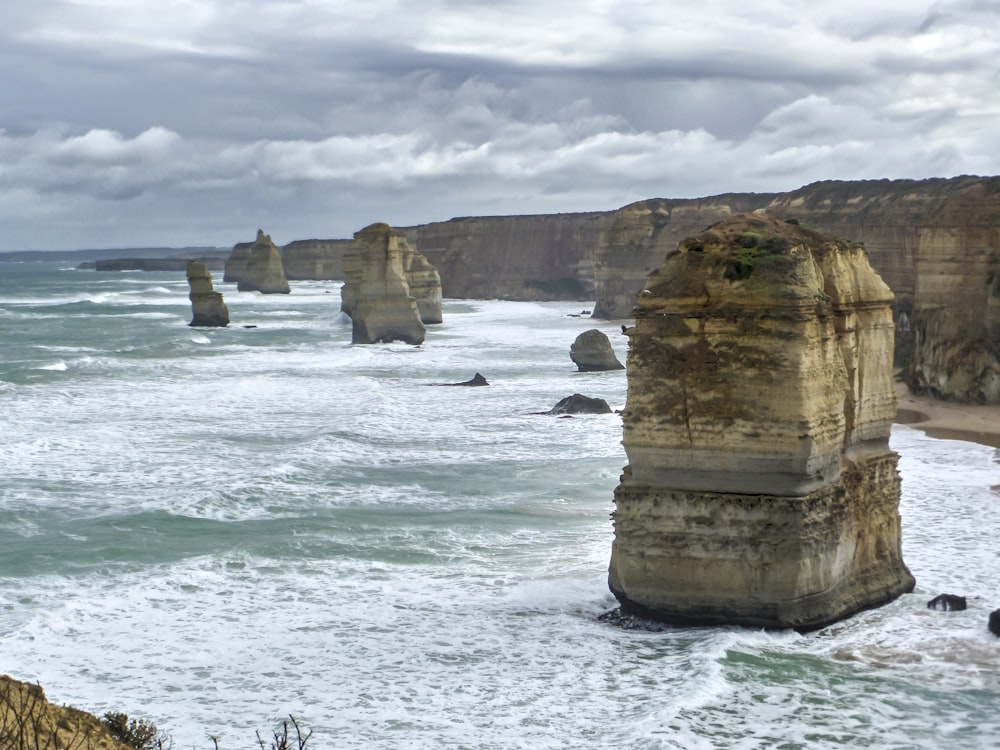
207	305
376	293
531	258
592	352
760	488
321	260
257	267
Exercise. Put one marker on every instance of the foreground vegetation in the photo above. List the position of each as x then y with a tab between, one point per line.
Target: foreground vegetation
29	722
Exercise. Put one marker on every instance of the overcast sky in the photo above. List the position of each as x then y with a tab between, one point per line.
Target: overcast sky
194	122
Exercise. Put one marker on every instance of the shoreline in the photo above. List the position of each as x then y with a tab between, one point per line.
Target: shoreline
948	421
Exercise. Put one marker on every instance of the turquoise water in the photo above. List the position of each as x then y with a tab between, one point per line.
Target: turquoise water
215	528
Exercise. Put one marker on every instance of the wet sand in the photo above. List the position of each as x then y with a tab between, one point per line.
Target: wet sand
945	420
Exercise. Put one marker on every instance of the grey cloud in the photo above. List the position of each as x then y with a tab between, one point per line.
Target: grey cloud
204	120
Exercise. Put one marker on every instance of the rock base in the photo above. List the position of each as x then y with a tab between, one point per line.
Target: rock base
703	558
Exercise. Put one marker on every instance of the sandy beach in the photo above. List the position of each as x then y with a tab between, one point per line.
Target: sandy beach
942	419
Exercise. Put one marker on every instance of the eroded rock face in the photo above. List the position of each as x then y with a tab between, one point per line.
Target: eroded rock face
376	293
257	267
207	306
425	285
314	259
760	488
935	242
592	352
541	257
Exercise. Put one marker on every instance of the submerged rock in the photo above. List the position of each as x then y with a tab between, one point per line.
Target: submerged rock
580	404
476	380
760	489
207	306
948	603
592	352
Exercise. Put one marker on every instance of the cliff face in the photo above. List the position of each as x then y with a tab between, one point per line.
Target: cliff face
935	242
760	488
956	311
376	293
642	234
545	257
314	259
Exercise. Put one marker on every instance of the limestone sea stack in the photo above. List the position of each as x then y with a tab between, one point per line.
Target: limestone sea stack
376	293
207	306
258	268
592	352
760	488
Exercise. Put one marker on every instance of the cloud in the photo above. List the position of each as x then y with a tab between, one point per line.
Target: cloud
316	116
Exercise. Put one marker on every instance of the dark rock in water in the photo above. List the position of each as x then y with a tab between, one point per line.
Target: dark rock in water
578	404
994	625
947	603
477	379
592	352
632	622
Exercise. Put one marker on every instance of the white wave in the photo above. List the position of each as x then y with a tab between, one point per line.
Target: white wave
199	339
58	365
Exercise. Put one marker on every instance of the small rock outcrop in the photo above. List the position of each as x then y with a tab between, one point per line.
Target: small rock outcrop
207	306
592	352
376	292
257	267
948	603
760	488
579	404
475	381
994	622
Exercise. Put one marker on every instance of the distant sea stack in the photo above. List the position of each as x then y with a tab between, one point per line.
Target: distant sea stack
376	292
760	489
206	304
257	267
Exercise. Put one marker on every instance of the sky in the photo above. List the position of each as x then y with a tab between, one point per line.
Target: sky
136	123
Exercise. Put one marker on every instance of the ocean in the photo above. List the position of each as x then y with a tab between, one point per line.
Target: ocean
214	529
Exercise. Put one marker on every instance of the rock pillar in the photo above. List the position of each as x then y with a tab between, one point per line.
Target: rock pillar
376	293
257	267
206	304
760	488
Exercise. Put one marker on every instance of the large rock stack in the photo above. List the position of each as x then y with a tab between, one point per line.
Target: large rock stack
760	488
207	306
376	292
257	267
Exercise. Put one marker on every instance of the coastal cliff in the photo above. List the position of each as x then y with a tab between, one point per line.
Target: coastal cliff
530	258
936	243
314	259
760	489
